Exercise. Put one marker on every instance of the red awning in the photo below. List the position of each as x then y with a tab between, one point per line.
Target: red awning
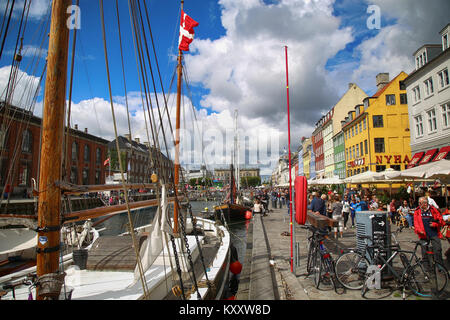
442	154
415	160
428	156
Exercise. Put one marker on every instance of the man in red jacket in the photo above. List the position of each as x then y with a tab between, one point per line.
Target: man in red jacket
427	224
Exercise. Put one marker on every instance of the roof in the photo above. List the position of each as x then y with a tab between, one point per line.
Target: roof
428	64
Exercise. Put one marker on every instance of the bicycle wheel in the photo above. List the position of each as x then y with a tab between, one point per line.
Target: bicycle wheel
311	252
350	269
425	282
317	268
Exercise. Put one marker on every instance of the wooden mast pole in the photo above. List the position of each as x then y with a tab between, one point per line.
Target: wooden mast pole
177	135
52	141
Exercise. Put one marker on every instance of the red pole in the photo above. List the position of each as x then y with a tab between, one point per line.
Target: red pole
289	141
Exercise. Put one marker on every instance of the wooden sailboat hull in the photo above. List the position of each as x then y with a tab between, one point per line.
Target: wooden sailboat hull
232	212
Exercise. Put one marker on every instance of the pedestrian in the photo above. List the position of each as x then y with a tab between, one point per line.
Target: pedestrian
353	206
427	224
392	211
404	212
337	214
345	210
258	207
318	204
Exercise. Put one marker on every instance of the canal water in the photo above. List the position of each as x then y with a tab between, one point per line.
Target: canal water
119	224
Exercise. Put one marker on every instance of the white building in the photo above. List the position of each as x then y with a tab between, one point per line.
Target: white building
328	150
428	94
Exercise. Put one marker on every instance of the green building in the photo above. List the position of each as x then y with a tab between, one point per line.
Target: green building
339	155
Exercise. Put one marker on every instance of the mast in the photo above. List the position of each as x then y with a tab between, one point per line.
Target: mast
177	135
52	141
290	171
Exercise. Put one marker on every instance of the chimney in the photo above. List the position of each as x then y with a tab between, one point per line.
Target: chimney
76	127
350	85
147	144
138	140
85	130
128	136
382	80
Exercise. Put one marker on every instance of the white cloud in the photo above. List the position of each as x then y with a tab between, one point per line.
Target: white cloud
24	87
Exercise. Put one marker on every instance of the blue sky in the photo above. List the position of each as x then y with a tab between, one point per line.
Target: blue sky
237	58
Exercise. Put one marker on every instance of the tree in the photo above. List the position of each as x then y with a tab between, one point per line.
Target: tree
250	182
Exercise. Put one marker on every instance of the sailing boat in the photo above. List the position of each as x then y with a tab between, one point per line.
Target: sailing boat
233	207
175	257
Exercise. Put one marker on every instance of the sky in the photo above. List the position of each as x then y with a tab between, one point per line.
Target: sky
237	61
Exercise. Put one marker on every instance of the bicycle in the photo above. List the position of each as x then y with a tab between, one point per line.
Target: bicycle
354	271
320	264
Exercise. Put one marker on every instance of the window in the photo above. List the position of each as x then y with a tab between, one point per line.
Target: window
443	78
74	151
97	177
446	115
390	99
98	156
445	41
357	150
24	171
396	167
353	131
429	86
379	145
360	127
361	148
74	175
403	98
2	138
85	176
365	147
419	126
364	124
416	92
87	151
27	141
401	85
353	148
380	168
377	121
432	120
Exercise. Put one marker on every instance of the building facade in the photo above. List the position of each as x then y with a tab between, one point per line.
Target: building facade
307	149
376	133
20	152
339	155
428	90
328	150
317	143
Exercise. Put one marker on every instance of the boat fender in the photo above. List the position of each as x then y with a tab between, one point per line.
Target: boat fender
248	215
233	253
301	202
236	267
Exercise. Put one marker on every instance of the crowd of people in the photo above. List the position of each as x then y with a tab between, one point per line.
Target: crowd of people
424	217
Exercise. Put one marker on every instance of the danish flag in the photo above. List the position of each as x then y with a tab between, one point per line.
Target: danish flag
186	31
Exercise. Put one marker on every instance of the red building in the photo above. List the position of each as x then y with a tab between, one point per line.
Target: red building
20	134
317	143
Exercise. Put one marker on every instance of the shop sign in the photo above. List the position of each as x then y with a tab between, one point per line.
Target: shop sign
392	159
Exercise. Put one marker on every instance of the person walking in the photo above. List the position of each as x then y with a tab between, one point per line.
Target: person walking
353	207
403	211
345	210
318	204
336	208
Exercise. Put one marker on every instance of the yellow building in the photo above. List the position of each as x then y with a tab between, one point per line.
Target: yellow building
306	156
376	133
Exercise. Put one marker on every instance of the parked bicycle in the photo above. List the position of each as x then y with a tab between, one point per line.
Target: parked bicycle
320	263
423	277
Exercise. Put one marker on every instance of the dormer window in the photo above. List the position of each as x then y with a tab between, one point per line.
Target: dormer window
445	43
443	78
